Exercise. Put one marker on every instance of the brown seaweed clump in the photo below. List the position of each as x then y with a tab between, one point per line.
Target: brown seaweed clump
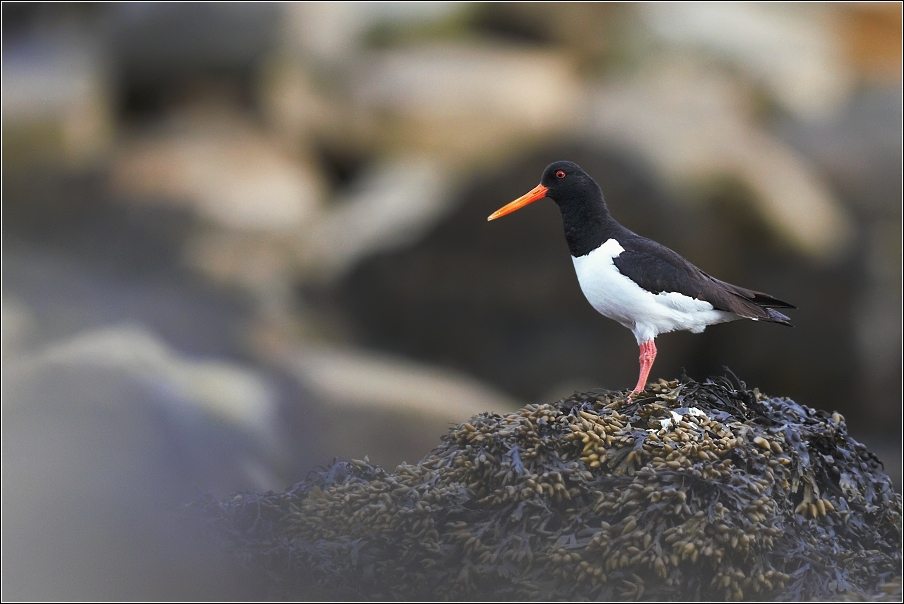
691	491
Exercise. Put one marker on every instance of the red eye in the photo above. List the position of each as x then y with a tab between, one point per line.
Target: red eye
560	174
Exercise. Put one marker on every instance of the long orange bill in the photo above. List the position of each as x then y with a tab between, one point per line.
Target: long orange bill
538	192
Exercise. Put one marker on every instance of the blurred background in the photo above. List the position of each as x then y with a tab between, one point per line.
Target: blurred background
240	240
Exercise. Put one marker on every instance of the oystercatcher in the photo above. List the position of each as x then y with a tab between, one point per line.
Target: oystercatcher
643	285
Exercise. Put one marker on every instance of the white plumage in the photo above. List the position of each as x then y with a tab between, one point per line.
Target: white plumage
646	314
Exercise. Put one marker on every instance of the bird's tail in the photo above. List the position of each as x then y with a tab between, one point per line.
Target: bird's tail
758	305
777	317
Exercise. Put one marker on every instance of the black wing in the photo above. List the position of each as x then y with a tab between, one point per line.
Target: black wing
657	269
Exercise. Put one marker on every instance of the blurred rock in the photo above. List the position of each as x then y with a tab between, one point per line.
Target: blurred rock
590	32
871	35
792	50
879	315
295	108
104	437
860	152
469	102
163	39
201	147
126	275
391	205
386	407
162	52
223	392
17	322
260	265
360	378
90	494
332	32
252	196
858	149
225	170
57	102
696	128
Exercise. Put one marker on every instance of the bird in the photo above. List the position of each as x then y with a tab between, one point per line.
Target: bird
636	281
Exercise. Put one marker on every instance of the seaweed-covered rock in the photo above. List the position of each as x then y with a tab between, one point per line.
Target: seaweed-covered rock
690	491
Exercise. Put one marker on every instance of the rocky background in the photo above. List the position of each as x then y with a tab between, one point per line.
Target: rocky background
240	240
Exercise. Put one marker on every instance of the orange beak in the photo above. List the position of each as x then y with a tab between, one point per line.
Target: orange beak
538	192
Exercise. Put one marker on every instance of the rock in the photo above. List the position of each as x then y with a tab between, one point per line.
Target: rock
163	52
253	198
92	266
224	169
793	51
390	206
871	34
261	265
191	391
57	103
469	102
692	491
860	152
383	406
295	108
220	388
333	33
658	113
104	437
18	323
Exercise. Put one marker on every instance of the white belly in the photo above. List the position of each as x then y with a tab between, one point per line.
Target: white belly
644	313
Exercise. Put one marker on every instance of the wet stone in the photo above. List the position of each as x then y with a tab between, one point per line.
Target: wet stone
691	490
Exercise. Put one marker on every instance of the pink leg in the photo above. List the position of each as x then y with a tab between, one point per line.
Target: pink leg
647	356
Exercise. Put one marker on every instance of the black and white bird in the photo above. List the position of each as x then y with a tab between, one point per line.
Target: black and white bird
643	285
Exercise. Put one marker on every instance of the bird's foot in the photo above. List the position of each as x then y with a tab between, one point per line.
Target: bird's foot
647	356
635	392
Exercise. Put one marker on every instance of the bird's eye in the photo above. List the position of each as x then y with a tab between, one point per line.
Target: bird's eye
560	174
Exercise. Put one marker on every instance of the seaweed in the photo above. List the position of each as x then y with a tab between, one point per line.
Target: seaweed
690	491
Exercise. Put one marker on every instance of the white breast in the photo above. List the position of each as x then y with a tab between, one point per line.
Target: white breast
644	313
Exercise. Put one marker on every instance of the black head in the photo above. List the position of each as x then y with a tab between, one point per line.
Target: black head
584	212
566	182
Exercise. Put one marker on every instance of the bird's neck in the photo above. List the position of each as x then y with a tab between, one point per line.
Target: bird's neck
588	225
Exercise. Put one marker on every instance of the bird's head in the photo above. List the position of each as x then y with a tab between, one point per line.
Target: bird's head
563	182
